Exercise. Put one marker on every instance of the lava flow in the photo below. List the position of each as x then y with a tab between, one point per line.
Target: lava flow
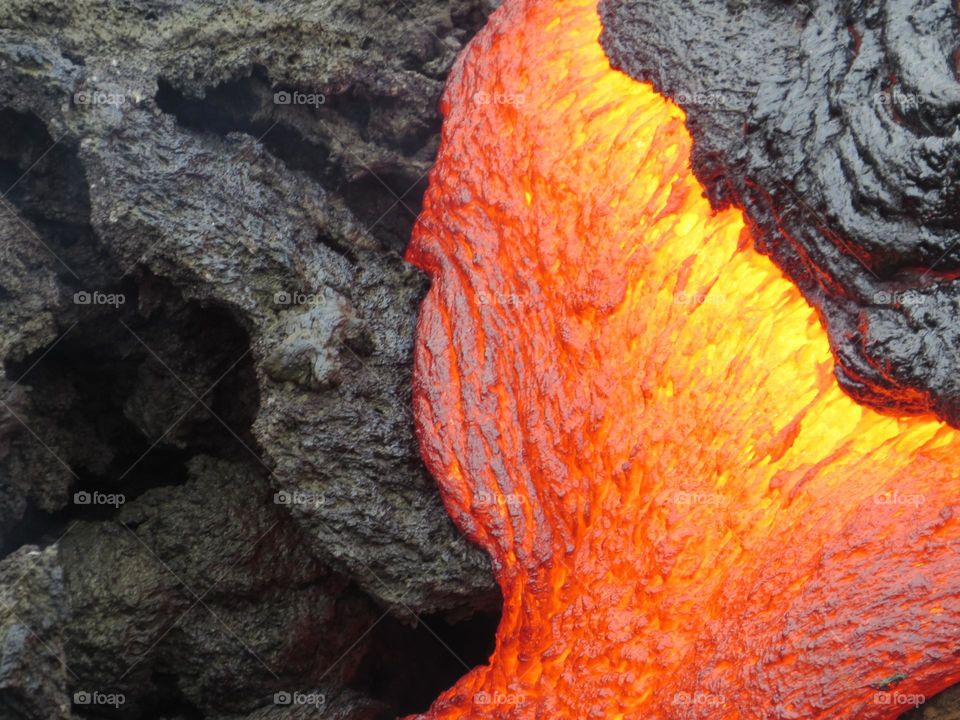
635	414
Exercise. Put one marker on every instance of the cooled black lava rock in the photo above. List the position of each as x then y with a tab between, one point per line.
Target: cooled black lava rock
836	127
244	176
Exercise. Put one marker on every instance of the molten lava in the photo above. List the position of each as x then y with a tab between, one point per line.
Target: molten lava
634	413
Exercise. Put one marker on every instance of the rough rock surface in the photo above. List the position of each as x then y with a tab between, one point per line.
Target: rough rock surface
217	587
161	167
342	706
203	307
33	676
834	125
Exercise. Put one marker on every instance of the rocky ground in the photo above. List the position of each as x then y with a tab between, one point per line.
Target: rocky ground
211	499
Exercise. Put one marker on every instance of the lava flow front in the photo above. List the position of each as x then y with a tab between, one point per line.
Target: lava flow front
634	413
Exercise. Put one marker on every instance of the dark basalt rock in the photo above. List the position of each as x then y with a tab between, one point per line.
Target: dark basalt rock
836	127
207	583
155	151
34	680
249	395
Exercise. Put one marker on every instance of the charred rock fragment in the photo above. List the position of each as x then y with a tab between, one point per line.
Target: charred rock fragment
836	127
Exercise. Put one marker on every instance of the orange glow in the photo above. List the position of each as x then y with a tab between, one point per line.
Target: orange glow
634	413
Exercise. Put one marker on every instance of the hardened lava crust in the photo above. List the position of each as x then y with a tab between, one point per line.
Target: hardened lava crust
835	126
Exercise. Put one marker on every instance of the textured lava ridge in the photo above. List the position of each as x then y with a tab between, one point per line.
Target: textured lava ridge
836	127
635	414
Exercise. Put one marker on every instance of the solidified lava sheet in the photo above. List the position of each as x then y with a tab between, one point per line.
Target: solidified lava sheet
835	125
635	413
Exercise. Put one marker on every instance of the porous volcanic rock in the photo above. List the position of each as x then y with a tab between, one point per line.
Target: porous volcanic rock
160	152
34	678
206	583
203	308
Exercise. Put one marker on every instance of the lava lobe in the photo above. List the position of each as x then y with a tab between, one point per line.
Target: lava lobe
835	126
634	413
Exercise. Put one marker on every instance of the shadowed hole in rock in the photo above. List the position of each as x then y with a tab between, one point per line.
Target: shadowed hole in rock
246	105
436	653
102	383
943	706
45	182
389	203
166	701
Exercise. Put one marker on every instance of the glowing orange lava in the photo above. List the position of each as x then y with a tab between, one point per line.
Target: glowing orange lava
634	413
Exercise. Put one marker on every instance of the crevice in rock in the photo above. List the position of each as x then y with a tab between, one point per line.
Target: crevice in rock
337	246
165	700
98	394
304	140
388	203
942	706
471	17
245	105
409	667
111	398
36	527
168	701
43	180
